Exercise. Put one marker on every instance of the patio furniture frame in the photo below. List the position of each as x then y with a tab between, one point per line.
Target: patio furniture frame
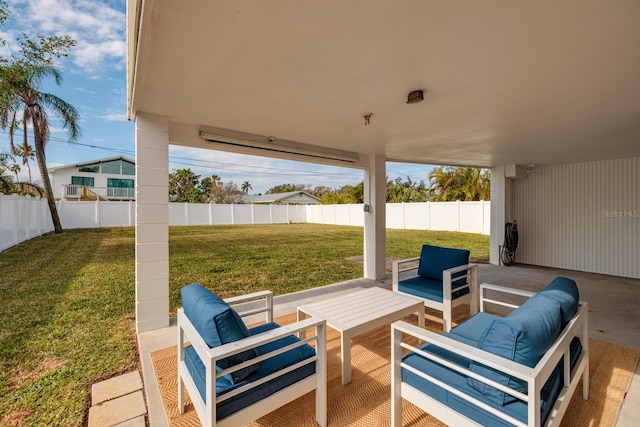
448	302
535	377
206	409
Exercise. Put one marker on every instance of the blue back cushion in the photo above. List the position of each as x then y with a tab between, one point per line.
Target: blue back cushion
434	259
565	292
523	336
218	324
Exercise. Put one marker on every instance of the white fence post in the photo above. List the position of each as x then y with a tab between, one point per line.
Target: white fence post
38	217
28	215
16	220
98	212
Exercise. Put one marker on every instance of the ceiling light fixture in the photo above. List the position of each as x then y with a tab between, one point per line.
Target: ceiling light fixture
228	142
415	96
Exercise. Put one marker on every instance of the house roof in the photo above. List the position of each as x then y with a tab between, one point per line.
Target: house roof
91	162
278	197
504	82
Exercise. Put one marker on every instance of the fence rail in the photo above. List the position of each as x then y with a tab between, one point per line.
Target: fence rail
24	217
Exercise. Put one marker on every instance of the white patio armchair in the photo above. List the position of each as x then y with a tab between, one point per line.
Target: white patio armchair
444	279
235	375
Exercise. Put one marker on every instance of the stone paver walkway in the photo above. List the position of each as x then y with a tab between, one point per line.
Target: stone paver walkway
118	401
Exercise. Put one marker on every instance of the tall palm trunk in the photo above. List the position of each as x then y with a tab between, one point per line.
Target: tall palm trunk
44	173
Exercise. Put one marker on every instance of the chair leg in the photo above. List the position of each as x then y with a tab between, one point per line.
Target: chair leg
396	378
180	395
446	318
321	372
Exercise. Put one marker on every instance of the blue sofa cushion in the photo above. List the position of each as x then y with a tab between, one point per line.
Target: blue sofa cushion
565	292
516	409
472	330
435	259
225	385
218	324
430	289
524	336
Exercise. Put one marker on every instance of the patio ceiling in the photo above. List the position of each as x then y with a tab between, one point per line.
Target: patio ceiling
505	82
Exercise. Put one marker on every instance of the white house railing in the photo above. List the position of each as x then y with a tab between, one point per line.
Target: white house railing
72	191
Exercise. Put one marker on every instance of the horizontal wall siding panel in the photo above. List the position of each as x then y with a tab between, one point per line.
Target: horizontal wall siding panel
581	217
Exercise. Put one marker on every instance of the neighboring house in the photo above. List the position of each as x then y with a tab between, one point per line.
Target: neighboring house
288	198
111	178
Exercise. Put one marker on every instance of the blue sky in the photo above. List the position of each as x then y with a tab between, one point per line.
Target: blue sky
94	81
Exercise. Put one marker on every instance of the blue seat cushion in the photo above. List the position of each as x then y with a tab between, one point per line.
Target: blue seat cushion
435	259
430	289
524	336
565	292
274	364
516	409
218	324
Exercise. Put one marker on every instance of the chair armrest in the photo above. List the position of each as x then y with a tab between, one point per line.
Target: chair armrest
472	283
395	270
498	363
209	356
254	341
248	297
502	290
247	305
226	350
460	268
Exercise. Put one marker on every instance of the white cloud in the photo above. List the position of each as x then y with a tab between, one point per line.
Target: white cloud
115	117
97	26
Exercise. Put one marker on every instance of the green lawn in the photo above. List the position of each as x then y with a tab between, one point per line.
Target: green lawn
68	300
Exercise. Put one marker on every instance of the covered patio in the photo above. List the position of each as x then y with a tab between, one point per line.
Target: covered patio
612	326
544	94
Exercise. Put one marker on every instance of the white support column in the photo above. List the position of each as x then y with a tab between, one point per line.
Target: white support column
152	222
500	211
375	218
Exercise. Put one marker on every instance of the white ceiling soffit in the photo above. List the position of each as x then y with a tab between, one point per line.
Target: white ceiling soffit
545	82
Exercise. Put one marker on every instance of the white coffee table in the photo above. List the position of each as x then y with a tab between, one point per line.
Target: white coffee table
360	311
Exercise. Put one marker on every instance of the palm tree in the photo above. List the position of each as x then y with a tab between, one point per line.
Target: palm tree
458	183
216	179
23	105
246	186
27	153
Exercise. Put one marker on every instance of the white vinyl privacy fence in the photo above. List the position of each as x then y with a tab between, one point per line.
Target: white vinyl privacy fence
22	218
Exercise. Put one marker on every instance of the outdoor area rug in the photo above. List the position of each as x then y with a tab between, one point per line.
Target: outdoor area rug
366	400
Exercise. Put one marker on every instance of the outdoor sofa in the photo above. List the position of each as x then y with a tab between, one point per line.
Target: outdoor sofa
235	375
518	370
444	280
